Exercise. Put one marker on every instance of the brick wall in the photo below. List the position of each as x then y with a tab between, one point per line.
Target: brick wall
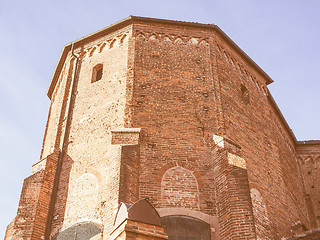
30	221
309	159
82	199
24	221
173	102
129	174
190	83
250	119
310	235
260	214
232	190
96	109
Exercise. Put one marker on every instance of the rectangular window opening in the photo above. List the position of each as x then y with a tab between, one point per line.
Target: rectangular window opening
97	72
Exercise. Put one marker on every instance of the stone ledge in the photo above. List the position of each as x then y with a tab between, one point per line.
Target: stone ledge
125	136
237	161
224	142
40	165
127	130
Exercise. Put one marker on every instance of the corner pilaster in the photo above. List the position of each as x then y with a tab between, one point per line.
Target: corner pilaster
232	190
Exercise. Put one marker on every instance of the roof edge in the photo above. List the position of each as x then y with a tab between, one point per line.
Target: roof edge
287	127
129	20
218	30
87	38
282	119
244	55
308	142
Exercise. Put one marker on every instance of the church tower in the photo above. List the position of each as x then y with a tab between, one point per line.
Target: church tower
171	125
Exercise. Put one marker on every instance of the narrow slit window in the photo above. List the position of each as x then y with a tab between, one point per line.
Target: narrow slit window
97	73
245	94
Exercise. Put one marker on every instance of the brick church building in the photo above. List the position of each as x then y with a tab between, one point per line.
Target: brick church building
162	129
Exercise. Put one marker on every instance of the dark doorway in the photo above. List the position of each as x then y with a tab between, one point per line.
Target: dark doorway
180	227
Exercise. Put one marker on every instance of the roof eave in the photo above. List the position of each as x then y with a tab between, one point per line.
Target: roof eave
128	21
79	42
244	55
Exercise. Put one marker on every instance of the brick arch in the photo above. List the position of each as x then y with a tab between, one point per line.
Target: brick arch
178	40
123	38
203	42
166	38
92	51
82	199
153	37
300	160
193	40
179	188
190	167
95	172
140	36
260	214
102	46
309	159
112	43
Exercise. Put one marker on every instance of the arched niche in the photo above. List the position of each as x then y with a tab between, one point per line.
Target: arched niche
82	199
260	214
179	188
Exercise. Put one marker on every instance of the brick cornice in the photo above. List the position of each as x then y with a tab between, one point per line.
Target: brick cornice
134	19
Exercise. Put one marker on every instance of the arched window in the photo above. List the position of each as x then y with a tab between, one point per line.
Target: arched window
180	227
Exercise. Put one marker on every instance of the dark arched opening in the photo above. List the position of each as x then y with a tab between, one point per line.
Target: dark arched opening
82	231
179	227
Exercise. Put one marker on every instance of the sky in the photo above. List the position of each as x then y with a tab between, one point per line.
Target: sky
282	37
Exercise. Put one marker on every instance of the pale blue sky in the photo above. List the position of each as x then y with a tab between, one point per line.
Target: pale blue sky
282	37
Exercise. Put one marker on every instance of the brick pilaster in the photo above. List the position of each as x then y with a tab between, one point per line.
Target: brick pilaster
32	214
232	190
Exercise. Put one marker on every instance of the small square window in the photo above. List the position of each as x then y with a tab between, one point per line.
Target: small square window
97	72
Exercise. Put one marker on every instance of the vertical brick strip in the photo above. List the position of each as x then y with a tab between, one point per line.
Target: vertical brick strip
129	174
233	196
42	209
